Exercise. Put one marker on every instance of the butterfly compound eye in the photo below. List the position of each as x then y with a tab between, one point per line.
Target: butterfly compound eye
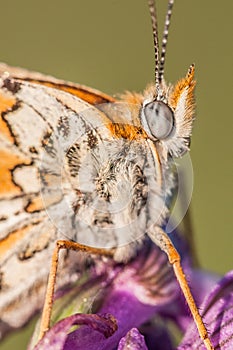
158	119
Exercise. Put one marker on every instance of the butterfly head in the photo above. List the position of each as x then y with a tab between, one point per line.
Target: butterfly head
167	113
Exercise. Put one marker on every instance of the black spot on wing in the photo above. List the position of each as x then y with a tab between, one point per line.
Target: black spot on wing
1	280
92	139
103	220
18	166
73	157
48	144
11	85
33	149
4	114
63	126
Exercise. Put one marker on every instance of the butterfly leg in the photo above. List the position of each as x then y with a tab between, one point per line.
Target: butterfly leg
163	241
48	304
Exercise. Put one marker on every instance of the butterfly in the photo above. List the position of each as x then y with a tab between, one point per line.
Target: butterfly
82	170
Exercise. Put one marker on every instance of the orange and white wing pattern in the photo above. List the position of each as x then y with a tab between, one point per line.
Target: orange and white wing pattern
30	112
87	94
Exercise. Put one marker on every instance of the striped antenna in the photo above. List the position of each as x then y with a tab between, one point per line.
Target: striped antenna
164	41
153	16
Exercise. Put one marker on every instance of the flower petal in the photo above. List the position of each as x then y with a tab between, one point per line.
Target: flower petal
149	277
218	315
201	283
139	290
56	337
133	341
129	313
133	293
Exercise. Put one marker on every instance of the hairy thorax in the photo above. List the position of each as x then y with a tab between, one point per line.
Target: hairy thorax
118	191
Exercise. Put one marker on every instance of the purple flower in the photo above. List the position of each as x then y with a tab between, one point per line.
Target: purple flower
218	315
128	307
133	340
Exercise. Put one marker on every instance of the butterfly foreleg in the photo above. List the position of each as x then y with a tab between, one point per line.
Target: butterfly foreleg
163	241
48	304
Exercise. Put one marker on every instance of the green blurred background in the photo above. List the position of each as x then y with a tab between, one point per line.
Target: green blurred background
107	44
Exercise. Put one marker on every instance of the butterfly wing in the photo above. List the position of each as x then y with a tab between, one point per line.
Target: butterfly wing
87	94
37	125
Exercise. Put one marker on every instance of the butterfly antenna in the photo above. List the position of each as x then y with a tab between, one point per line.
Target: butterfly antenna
153	16
164	41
